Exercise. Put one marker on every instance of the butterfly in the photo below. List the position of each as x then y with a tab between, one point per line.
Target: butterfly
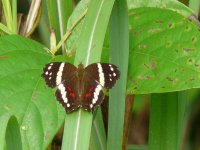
80	87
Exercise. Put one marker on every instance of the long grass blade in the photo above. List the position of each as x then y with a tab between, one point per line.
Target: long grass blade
78	125
119	37
166	120
8	13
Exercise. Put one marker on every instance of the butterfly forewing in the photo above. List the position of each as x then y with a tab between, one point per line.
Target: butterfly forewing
106	74
56	72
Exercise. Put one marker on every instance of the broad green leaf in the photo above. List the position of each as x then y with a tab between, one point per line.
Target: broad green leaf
164	52
173	5
24	93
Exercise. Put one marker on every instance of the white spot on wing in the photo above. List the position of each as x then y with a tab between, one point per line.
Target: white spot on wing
101	74
59	74
49	67
91	105
51	64
68	105
114	74
46	72
111	68
96	94
63	93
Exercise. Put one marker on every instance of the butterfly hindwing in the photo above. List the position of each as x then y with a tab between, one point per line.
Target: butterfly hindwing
92	95
67	94
106	74
56	72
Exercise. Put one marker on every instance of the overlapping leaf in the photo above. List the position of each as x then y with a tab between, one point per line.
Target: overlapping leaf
164	54
23	93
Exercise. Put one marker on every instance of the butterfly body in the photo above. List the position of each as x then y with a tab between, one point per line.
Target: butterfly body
80	87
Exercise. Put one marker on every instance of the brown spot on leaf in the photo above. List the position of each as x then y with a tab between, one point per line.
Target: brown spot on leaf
170	25
172	80
176	50
190	61
183	70
181	22
159	21
156	30
187	50
3	57
194	39
175	70
192	79
187	28
145	77
169	79
152	65
197	66
132	81
7	107
142	46
46	136
168	44
136	32
35	94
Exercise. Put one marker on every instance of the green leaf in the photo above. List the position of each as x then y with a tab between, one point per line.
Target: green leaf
82	6
166	121
78	128
119	44
173	5
13	138
9	129
98	134
164	52
53	17
24	93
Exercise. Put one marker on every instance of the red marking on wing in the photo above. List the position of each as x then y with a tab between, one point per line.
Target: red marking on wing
87	95
72	95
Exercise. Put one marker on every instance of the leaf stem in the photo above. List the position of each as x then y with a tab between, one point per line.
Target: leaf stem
68	33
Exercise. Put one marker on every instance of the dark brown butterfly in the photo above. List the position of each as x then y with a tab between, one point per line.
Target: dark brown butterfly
80	87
